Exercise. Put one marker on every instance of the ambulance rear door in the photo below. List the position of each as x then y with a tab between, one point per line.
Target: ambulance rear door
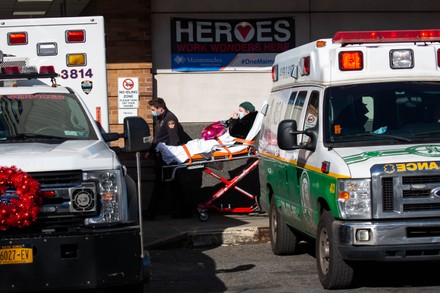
75	46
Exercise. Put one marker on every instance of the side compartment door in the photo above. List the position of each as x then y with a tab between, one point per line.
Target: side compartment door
308	174
289	187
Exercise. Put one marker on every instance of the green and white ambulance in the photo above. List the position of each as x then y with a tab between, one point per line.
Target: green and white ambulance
350	150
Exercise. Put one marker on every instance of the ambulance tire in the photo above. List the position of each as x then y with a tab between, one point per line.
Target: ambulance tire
333	271
282	238
133	203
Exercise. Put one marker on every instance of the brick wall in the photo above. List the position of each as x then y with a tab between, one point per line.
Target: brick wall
128	51
141	70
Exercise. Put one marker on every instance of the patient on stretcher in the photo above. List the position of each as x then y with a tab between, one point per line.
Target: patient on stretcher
217	135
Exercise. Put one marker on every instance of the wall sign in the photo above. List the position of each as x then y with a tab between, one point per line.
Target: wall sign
227	44
128	92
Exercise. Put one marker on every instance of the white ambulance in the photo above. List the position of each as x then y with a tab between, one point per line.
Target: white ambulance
70	215
75	46
350	150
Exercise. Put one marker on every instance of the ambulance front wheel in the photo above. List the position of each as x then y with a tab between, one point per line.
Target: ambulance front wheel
333	271
203	216
282	239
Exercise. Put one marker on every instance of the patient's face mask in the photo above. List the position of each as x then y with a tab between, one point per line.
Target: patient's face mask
241	115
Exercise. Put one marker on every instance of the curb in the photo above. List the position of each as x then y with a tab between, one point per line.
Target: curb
229	236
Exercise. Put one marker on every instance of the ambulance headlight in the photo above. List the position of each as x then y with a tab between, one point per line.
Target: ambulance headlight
401	59
354	198
112	203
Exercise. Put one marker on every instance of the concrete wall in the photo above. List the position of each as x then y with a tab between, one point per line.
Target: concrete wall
210	96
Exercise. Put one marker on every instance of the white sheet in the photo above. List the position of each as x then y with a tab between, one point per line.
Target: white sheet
177	154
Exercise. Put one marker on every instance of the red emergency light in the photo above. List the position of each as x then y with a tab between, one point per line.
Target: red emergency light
438	57
305	65
350	37
18	38
11	70
275	73
75	36
47	69
27	72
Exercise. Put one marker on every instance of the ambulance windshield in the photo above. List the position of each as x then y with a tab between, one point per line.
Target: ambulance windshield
368	114
44	117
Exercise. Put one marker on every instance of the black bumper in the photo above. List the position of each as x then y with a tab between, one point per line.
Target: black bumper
391	253
91	260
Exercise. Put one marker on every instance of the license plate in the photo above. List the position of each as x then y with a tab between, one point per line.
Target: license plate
15	254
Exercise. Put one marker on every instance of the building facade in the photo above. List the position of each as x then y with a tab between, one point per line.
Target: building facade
140	38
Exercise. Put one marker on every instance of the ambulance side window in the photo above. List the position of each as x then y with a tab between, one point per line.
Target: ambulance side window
297	108
312	113
298	105
290	105
276	112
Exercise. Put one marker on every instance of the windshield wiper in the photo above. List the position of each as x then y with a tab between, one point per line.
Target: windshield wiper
427	133
26	136
380	136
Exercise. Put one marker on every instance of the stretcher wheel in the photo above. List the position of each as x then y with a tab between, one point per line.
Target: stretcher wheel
203	216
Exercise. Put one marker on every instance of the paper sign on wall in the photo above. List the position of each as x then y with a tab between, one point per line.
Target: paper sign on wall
122	113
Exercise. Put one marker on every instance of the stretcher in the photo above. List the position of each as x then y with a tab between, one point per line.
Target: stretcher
242	149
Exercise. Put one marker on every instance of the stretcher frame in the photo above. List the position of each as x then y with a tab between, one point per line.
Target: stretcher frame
245	150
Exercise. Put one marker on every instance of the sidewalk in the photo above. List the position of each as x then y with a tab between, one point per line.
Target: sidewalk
220	229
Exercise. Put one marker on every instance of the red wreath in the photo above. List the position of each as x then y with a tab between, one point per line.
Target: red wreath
21	210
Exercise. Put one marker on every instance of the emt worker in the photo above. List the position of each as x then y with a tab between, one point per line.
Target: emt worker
168	130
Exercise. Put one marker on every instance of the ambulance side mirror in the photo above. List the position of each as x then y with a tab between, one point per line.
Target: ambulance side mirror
137	134
287	135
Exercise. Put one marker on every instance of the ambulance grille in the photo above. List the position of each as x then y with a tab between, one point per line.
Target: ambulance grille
58	179
406	196
56	215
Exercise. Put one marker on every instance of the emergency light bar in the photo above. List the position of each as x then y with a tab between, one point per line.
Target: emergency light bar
29	72
350	37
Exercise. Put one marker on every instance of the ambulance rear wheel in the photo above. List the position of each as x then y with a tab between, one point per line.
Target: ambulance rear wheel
333	271
282	239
